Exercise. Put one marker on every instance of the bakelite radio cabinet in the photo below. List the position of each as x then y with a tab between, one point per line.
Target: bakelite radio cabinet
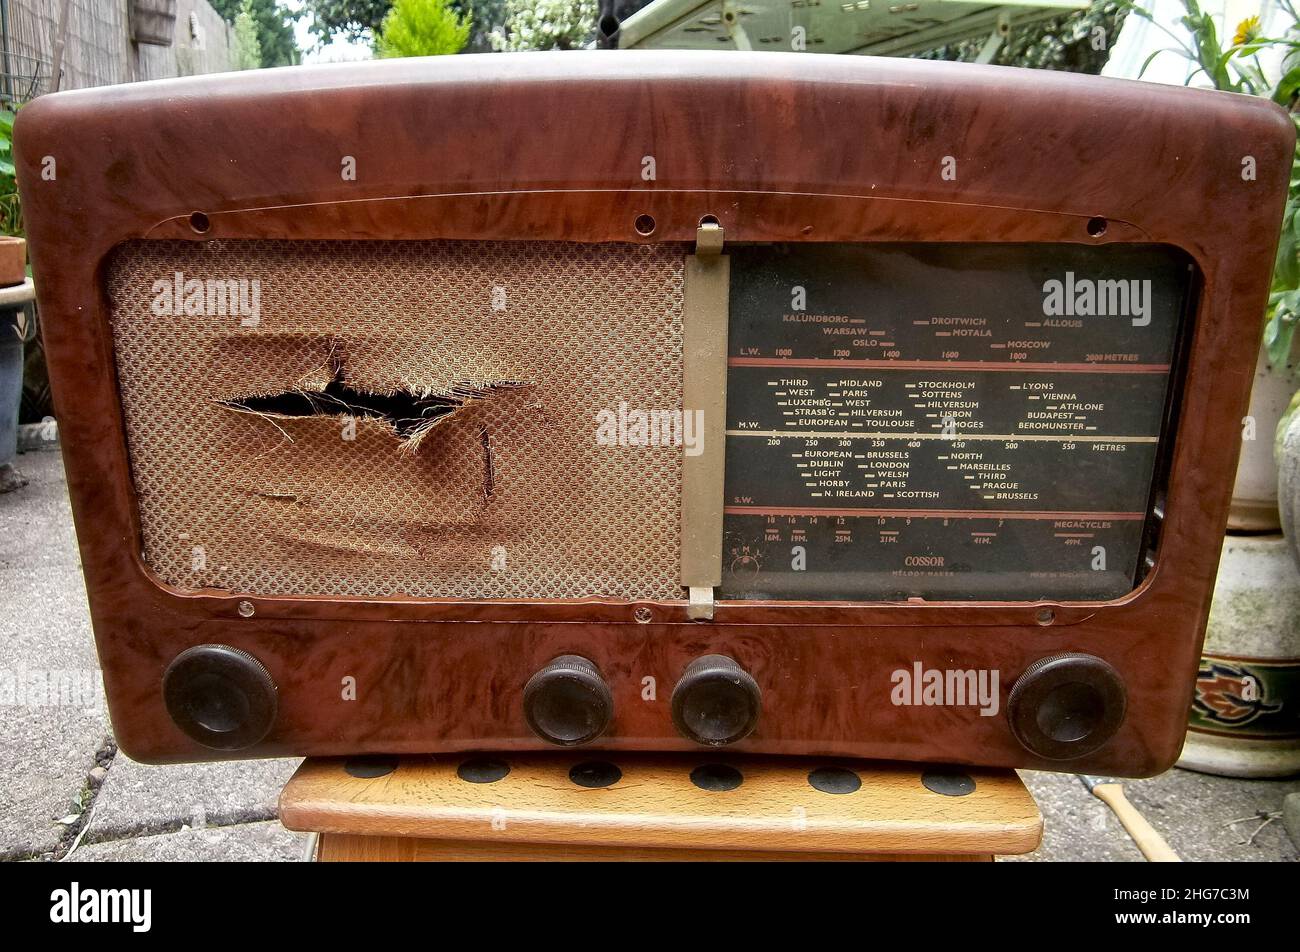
812	405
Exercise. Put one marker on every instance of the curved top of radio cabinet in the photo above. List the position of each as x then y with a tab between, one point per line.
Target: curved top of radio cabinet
1151	159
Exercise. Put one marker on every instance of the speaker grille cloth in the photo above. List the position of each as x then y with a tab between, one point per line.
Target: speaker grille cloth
508	494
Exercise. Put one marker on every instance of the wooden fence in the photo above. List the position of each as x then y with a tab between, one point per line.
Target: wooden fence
98	48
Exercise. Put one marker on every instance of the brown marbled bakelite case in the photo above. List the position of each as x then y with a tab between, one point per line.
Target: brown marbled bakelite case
548	147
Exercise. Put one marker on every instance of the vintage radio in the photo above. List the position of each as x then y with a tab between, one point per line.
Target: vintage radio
805	404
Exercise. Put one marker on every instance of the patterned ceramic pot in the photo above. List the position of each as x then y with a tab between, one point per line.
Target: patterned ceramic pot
1245	717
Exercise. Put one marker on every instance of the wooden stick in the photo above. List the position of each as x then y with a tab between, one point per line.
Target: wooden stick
1150	842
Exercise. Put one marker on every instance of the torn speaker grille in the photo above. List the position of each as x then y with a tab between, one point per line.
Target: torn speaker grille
400	418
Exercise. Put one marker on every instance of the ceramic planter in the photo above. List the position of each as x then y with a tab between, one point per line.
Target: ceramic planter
1254	494
13	260
1288	464
15	302
1245	717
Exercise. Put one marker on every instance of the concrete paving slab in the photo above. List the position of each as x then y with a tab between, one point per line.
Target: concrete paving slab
1192	811
247	842
138	799
47	743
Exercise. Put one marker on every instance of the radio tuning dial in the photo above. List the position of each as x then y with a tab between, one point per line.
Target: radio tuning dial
567	702
221	697
716	702
1067	705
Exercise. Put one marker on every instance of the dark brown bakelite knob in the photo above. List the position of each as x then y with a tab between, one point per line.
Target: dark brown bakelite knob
1066	706
716	702
220	696
568	702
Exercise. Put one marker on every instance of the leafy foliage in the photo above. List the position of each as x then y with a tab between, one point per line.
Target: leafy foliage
11	213
1234	66
248	50
546	25
350	19
1077	42
487	17
274	29
421	28
355	19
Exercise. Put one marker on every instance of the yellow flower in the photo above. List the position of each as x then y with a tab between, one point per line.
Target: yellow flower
1247	30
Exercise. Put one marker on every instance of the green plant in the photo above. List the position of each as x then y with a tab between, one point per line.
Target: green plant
422	28
546	25
487	17
275	37
11	212
1075	42
248	48
351	19
1235	67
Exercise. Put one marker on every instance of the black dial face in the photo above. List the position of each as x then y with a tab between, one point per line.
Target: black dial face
946	421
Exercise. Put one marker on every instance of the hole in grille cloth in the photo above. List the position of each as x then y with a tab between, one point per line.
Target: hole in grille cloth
512	349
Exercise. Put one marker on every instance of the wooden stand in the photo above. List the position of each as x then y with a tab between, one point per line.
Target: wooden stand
598	806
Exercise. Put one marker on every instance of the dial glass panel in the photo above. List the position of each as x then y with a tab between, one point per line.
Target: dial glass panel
946	421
